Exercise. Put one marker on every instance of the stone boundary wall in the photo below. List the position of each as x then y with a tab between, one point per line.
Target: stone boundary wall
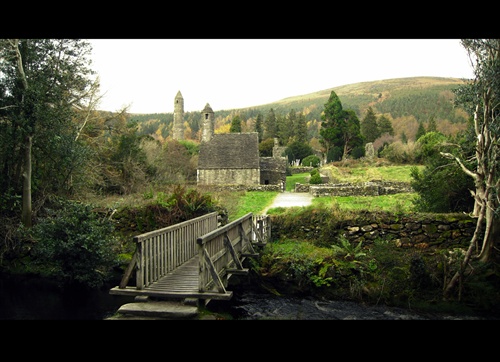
300	169
370	188
423	232
420	234
241	187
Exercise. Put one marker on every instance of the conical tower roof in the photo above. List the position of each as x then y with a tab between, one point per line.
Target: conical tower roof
207	109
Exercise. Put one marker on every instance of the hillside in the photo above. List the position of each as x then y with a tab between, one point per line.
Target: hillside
404	101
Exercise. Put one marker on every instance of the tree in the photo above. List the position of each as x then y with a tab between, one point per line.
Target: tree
266	147
44	84
441	186
259	126
333	124
420	130
369	127
432	126
404	138
480	97
385	125
235	124
340	129
285	127
298	151
353	140
270	125
300	128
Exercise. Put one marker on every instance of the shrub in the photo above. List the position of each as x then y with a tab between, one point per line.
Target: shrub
74	244
311	160
315	179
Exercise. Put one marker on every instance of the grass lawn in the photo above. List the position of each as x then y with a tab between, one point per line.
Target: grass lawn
397	203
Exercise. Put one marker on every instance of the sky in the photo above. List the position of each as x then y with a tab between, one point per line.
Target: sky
146	74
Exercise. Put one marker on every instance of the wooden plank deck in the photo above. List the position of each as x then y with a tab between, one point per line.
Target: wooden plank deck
183	282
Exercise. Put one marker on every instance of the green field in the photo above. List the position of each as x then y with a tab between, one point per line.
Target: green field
256	201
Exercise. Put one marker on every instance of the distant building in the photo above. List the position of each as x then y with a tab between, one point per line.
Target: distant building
230	158
178	126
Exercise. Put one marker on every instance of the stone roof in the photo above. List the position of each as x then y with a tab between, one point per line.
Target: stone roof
207	109
230	150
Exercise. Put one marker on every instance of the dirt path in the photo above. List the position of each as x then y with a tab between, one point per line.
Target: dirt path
289	199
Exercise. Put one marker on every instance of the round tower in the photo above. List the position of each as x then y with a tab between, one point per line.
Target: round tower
178	126
208	123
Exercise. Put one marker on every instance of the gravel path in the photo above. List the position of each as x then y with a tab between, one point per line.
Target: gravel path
289	199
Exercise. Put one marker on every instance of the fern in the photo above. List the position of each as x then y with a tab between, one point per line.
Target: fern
347	250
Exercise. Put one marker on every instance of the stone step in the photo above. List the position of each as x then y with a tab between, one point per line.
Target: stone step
156	310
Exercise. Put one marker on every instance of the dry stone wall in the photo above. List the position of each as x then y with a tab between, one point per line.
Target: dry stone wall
371	188
422	231
239	187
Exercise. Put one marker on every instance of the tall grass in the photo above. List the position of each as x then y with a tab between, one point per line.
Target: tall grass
397	203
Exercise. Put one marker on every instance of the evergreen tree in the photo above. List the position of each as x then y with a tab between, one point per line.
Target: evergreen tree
266	147
369	127
353	140
270	125
259	126
420	131
404	138
285	129
301	128
432	126
385	125
340	129
298	151
292	123
332	124
46	89
235	124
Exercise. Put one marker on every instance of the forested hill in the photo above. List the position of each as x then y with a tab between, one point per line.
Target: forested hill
404	101
417	96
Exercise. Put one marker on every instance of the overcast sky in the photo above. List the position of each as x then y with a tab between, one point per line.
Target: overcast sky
146	74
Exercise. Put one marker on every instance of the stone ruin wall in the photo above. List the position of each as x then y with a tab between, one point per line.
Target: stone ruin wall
370	188
229	176
232	187
426	232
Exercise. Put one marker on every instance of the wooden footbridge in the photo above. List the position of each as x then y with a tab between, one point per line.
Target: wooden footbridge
193	259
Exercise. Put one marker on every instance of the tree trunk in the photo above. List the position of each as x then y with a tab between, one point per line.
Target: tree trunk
491	233
27	210
468	255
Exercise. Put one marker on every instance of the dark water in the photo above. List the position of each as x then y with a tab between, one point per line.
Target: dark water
29	298
250	302
256	306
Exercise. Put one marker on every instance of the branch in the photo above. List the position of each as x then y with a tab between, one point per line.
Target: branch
15	46
460	163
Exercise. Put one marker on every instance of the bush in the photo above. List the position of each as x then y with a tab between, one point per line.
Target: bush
315	179
311	160
75	245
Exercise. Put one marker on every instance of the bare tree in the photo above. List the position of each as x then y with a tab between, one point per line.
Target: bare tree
481	96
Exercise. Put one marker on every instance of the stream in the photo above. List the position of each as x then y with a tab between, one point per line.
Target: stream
29	298
257	306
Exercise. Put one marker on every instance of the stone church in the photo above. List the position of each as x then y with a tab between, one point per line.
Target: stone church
231	158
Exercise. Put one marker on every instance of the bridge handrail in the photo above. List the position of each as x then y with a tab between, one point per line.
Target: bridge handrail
222	251
161	251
